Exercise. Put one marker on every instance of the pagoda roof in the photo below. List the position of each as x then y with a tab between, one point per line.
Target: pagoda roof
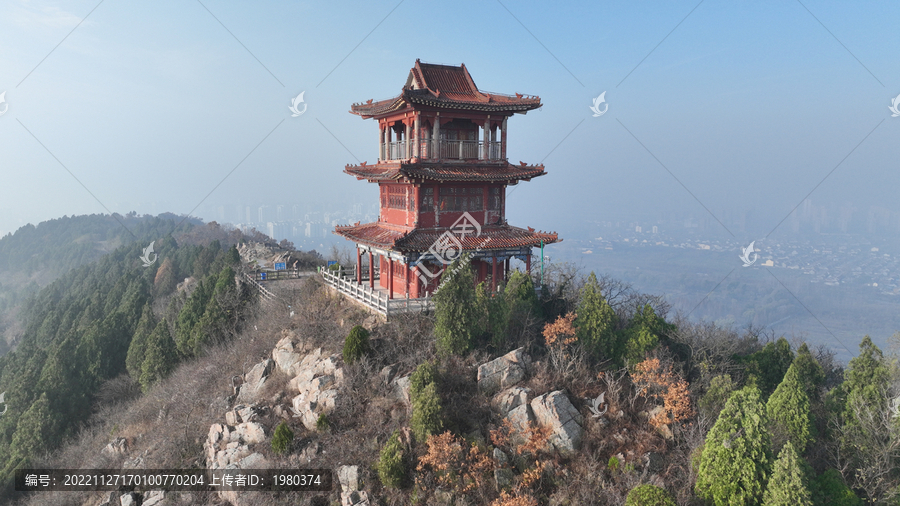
496	237
445	87
486	172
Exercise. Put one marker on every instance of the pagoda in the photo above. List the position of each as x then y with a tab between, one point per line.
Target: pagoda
442	175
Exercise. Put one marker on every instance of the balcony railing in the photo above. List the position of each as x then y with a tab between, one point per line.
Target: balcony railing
449	149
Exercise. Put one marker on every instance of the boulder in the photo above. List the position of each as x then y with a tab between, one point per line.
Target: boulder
401	389
348	476
250	433
388	373
154	498
520	417
130	499
115	447
556	411
355	498
317	382
512	397
254	380
503	372
287	355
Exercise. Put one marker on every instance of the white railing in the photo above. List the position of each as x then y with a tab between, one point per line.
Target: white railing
263	292
451	150
372	298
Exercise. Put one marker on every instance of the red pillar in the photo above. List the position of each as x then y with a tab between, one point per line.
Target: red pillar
493	274
371	270
358	266
528	263
390	278
406	272
483	271
506	269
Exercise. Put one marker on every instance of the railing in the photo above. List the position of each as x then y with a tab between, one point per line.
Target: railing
277	275
373	298
450	150
263	292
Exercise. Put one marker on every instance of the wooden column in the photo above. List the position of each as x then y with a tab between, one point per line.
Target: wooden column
503	140
390	277
436	137
485	139
415	139
528	262
506	269
493	274
382	138
358	266
407	148
371	271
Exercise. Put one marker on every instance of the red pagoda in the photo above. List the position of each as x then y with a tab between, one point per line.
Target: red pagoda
442	174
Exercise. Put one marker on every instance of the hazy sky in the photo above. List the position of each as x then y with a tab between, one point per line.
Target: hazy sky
749	105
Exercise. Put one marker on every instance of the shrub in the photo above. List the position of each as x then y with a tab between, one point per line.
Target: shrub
425	373
426	415
322	423
828	489
649	495
392	463
356	345
613	463
282	439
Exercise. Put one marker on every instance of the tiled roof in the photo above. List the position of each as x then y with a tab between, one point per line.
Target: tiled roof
491	238
446	87
445	172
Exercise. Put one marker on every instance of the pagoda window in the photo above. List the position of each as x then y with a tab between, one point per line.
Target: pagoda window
427	199
396	197
496	200
461	199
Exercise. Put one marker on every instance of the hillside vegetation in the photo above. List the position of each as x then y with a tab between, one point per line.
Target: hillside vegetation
586	392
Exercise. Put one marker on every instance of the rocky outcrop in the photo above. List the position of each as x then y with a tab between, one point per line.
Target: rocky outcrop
511	398
351	495
317	383
227	446
288	353
557	412
254	380
503	372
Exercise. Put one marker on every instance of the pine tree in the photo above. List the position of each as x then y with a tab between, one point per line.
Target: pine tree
426	413
135	357
788	412
649	495
643	333
768	366
282	439
788	486
160	357
736	459
809	372
392	465
596	322
457	314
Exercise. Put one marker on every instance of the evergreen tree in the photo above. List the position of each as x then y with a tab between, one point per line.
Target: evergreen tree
135	357
766	368
392	466
495	316
809	372
788	486
596	322
736	459
649	495
160	356
643	333
426	414
457	314
829	489
166	278
788	411
356	345
36	430
282	439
